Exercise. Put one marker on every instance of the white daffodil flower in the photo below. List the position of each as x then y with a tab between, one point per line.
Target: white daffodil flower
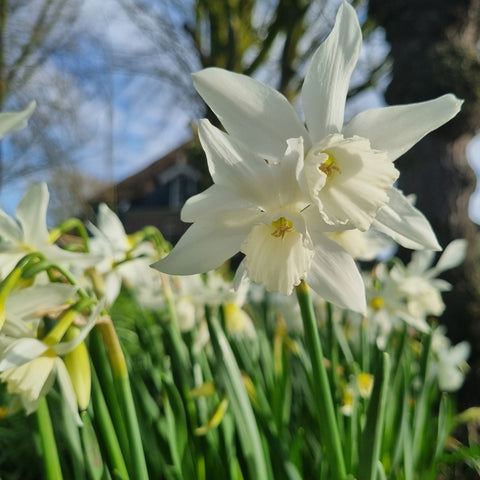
451	361
418	284
29	366
258	208
30	233
410	293
192	293
347	171
279	188
387	309
118	262
24	308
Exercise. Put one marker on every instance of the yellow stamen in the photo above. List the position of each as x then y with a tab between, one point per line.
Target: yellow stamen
347	401
377	303
365	384
282	226
329	166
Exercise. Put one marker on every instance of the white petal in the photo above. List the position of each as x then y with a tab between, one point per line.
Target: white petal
396	129
67	389
236	168
203	247
111	226
32	215
10	231
326	83
65	257
26	302
31	380
415	321
459	353
405	224
357	184
450	379
251	111
364	246
212	201
21	351
279	263
113	284
288	191
421	260
453	255
439	284
334	276
12	121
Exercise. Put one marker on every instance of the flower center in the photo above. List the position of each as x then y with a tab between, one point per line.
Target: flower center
329	166
281	227
376	303
365	384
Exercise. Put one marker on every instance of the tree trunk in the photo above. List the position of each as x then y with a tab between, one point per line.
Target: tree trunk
434	51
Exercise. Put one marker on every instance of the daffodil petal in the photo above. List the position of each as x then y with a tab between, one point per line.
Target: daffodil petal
57	254
327	80
32	214
288	191
356	188
12	121
251	111
203	247
31	380
236	168
397	128
453	255
212	201
405	224
21	351
334	275
10	231
459	353
67	389
24	303
420	261
111	226
278	263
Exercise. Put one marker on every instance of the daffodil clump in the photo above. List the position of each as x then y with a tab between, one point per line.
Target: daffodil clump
301	364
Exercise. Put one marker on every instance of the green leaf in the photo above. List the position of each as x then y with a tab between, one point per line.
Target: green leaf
371	440
242	410
176	423
93	455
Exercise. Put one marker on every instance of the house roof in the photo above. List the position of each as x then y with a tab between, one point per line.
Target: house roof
143	182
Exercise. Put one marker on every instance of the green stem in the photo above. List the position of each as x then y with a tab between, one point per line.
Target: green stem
50	453
321	388
108	435
372	435
333	350
122	386
103	374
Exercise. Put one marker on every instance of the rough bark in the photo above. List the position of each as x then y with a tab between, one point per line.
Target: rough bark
434	51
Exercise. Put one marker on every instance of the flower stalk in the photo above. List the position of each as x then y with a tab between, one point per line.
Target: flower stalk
53	470
326	416
122	385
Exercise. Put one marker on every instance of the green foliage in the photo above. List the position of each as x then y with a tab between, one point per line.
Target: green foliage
245	407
